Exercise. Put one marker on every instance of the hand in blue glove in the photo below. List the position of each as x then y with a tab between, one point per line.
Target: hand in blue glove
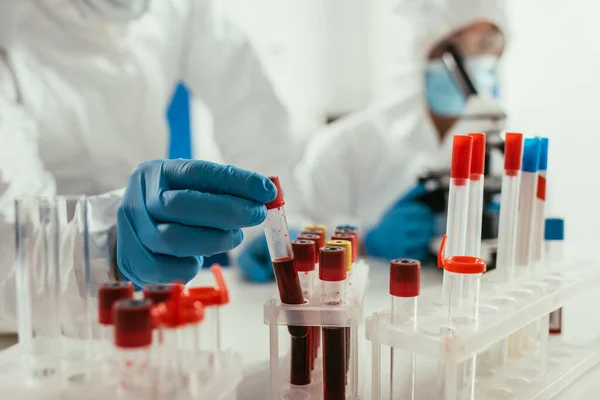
255	261
176	211
404	230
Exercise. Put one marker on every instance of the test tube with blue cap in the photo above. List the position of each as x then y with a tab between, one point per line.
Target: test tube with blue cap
554	235
540	203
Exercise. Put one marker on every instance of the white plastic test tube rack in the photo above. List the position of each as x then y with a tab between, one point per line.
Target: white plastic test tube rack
313	313
504	308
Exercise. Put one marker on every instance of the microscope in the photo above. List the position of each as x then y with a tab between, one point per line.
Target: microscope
484	113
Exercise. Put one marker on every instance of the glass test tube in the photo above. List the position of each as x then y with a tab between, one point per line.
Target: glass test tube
554	235
346	244
282	255
133	338
507	228
519	341
302	350
458	206
108	294
332	273
476	181
405	285
305	253
353	239
540	204
463	285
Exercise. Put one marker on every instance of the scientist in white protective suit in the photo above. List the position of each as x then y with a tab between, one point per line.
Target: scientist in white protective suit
363	169
84	87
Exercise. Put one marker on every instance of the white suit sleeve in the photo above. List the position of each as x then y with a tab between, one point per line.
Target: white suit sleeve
21	174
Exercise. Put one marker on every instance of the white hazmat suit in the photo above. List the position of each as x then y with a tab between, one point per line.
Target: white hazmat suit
361	164
83	102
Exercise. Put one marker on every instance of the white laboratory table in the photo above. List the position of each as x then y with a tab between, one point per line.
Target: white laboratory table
243	327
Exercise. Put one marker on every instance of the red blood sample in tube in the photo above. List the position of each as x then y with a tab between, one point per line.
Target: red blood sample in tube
108	294
334	364
300	363
290	290
133	323
158	292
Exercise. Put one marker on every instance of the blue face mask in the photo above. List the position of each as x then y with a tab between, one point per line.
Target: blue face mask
443	94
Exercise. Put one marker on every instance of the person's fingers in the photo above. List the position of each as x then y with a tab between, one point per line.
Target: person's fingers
204	176
254	269
221	211
136	263
185	241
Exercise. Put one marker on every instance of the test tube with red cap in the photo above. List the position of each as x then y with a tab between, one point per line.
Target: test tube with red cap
463	283
405	285
158	292
319	242
282	255
133	338
507	228
332	274
316	227
458	207
475	216
108	294
353	239
317	232
305	253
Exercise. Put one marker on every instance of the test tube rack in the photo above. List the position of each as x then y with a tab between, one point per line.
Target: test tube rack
350	314
503	310
78	374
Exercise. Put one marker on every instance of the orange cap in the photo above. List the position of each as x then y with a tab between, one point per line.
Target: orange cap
217	295
460	264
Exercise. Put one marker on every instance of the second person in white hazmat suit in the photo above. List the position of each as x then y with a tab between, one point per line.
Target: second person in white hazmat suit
84	86
362	170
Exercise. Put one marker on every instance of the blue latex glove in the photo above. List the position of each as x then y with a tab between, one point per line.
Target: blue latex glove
254	260
404	230
176	211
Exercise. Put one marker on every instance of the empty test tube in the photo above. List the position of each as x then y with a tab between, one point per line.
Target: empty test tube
476	181
133	338
305	252
539	210
405	285
332	273
554	235
282	255
108	294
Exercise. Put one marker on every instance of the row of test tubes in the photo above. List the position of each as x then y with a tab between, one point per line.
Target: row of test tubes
314	271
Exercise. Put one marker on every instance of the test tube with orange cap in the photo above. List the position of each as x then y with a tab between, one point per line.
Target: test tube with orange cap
462	284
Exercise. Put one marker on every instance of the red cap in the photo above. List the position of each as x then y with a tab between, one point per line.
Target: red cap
478	153
186	311
108	294
158	292
304	254
352	238
278	201
462	147
133	323
320	241
217	295
332	264
405	277
513	152
464	265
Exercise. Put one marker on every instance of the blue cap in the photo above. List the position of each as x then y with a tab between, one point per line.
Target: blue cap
531	155
543	161
555	229
348	228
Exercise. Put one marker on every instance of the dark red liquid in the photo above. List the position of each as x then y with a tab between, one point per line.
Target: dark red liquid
334	363
290	290
300	364
347	346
